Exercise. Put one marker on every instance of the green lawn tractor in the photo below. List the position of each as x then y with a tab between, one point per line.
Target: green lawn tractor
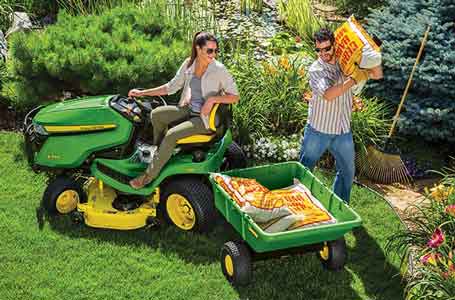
92	147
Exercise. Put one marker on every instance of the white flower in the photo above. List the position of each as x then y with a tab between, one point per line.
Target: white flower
294	154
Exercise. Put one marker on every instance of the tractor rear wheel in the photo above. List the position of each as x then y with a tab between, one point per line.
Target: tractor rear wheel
187	202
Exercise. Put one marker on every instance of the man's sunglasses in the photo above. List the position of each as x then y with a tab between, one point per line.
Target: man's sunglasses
326	49
211	50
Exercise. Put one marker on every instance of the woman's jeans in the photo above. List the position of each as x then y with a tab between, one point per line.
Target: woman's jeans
341	146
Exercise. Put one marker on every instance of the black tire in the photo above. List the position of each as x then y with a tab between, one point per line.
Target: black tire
55	188
200	197
239	255
234	158
337	255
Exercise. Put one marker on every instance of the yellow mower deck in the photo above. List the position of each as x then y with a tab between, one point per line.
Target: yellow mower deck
98	211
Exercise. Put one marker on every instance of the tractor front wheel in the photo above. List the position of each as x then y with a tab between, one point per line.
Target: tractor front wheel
62	196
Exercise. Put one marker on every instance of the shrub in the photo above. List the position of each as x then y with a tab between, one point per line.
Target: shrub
370	124
120	49
271	97
430	106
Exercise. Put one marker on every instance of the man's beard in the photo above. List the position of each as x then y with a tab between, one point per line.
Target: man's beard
328	58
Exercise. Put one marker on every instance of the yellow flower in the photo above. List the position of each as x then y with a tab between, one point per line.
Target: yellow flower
357	104
307	96
302	72
284	62
269	69
441	192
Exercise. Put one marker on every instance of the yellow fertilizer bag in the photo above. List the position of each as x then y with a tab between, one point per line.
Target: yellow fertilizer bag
250	196
355	47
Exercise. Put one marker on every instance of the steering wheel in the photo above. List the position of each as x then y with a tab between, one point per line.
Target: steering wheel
144	106
150	103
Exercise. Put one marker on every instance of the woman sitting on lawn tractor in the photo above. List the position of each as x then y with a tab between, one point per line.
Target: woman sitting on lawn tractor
205	81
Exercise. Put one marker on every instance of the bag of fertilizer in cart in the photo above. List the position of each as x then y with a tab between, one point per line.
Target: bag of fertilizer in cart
277	210
306	210
355	48
250	196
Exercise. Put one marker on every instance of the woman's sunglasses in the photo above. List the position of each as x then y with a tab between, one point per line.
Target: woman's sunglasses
212	50
326	49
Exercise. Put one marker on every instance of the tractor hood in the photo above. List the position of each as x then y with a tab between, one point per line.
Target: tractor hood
83	111
75	129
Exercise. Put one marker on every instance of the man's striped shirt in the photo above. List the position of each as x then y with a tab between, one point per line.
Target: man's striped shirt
331	117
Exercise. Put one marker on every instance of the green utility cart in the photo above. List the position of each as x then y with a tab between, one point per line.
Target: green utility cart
327	240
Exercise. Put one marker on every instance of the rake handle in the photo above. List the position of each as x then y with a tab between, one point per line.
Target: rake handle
405	93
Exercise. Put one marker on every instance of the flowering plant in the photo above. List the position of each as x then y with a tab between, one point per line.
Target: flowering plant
274	148
431	235
270	93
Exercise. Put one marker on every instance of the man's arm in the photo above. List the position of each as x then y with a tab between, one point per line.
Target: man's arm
338	89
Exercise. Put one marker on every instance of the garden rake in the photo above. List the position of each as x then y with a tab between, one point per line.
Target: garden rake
384	164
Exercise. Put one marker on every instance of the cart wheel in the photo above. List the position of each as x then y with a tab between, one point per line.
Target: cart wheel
333	254
62	196
236	263
187	202
234	158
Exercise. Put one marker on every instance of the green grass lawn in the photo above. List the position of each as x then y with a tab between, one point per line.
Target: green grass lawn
60	260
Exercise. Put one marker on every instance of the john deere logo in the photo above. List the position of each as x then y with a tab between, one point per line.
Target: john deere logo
53	156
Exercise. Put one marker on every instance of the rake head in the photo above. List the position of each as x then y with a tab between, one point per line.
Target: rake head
382	166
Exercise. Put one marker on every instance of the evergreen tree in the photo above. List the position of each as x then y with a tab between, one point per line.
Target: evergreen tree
109	53
430	105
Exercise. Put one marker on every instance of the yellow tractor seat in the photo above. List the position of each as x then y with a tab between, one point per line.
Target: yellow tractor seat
216	124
